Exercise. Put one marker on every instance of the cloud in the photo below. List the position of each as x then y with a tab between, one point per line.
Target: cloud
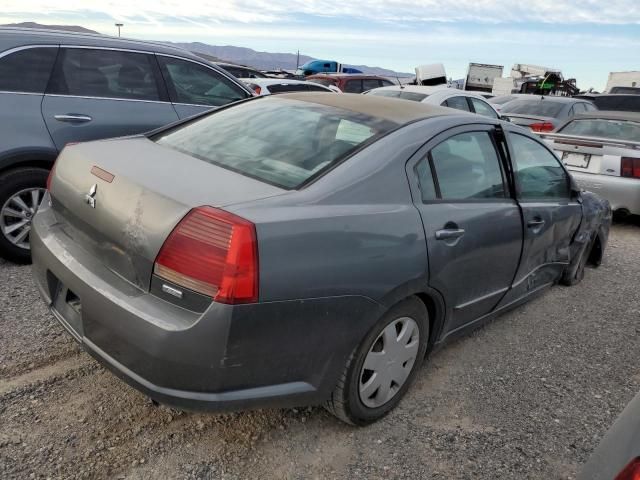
622	12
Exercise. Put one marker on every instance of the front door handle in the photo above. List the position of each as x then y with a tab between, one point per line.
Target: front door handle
535	223
73	118
449	233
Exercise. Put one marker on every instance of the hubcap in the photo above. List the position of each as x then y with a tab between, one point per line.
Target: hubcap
389	362
16	215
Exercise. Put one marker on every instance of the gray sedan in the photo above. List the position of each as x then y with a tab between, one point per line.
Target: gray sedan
543	113
303	248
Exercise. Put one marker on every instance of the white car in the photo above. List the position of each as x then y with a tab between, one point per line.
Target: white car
602	151
268	86
440	95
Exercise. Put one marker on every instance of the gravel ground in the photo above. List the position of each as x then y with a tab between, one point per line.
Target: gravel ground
527	396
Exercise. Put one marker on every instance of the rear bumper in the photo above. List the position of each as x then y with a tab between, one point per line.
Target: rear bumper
622	193
229	357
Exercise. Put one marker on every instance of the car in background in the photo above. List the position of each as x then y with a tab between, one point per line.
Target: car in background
241	71
619	102
303	248
445	97
625	90
602	152
350	82
59	87
269	86
618	455
544	113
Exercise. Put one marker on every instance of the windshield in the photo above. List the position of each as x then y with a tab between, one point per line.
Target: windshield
416	97
604	128
542	108
279	141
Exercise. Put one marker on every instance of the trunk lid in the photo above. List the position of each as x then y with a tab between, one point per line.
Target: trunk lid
526	120
142	190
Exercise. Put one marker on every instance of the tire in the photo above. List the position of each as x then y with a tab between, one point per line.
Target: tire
12	182
570	279
346	402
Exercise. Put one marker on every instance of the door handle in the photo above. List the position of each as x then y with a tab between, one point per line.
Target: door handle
535	223
73	118
449	233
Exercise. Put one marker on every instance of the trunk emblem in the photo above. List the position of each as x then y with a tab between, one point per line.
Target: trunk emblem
90	197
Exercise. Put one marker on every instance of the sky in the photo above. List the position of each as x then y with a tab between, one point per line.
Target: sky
586	39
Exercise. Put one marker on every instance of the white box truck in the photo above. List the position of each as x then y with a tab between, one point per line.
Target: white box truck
480	77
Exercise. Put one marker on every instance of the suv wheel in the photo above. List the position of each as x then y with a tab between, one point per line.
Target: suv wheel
21	192
382	367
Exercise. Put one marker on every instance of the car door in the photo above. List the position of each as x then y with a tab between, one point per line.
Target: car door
195	88
482	108
472	224
99	93
551	214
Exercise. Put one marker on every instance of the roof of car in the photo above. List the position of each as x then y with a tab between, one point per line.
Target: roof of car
392	109
610	115
347	75
278	81
549	98
417	88
20	35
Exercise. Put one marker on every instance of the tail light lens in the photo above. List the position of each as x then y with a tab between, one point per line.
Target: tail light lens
630	167
631	471
212	252
542	127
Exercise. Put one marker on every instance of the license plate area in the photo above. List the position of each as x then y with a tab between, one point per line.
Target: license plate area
67	307
579	160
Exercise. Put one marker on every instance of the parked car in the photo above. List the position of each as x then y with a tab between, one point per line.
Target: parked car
602	151
544	113
60	87
497	101
241	71
268	86
350	83
303	248
618	455
619	102
443	96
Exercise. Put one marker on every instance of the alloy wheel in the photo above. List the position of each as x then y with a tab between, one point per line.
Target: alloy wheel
17	213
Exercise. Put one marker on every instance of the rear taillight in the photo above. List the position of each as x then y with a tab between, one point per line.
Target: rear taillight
630	167
631	471
212	252
542	127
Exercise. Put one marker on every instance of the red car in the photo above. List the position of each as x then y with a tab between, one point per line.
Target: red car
350	82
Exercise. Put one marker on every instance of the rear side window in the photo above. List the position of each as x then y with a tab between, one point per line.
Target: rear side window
386	83
27	70
482	108
369	83
353	86
195	84
467	167
539	174
459	103
105	73
277	140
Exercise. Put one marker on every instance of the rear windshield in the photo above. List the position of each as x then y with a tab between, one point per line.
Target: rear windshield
542	108
603	128
416	97
502	100
279	141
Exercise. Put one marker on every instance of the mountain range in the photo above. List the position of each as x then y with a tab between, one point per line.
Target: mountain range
231	54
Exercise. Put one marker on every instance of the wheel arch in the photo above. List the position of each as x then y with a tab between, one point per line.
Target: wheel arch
33	157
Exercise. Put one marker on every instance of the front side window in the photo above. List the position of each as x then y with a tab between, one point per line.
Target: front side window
459	103
370	83
467	167
27	70
195	84
604	128
482	108
87	72
277	140
539	174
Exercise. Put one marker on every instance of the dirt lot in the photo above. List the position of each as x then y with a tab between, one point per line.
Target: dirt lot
528	396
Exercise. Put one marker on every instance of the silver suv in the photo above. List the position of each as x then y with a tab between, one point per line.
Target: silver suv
60	87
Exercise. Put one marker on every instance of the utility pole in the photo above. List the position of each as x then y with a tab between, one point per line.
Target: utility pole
119	25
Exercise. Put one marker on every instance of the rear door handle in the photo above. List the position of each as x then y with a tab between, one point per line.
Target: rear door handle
536	222
73	118
449	233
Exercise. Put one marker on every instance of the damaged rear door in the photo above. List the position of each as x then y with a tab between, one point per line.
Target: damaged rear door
550	213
